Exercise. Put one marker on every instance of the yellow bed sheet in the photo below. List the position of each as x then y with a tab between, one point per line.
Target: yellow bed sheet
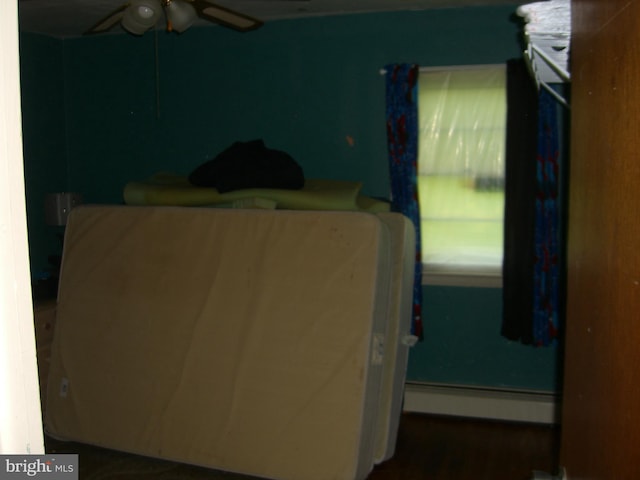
317	194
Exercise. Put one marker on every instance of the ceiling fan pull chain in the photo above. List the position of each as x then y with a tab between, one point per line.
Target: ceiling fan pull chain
157	65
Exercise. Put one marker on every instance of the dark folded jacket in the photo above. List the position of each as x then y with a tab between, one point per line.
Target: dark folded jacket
249	165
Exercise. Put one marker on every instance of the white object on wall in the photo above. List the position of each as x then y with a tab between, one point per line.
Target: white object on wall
57	207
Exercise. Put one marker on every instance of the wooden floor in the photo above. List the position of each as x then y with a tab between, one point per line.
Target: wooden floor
429	447
445	448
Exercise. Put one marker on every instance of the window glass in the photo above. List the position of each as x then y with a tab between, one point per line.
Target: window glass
462	115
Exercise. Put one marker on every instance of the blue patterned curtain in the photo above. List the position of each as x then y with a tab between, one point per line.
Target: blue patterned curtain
546	275
402	143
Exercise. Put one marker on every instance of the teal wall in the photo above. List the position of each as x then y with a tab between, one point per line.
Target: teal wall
128	107
462	344
44	140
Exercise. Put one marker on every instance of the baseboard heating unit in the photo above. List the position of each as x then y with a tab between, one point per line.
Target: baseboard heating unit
482	402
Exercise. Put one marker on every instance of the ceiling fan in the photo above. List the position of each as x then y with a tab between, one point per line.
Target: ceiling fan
138	16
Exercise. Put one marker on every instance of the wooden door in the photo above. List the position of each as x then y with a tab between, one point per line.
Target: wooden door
601	399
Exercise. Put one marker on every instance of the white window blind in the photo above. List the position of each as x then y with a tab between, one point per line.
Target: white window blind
462	121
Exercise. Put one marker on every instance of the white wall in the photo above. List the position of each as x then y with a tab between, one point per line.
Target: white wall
20	417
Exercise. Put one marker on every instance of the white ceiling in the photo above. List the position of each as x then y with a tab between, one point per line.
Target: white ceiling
69	18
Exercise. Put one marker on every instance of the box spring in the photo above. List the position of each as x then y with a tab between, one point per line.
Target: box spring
250	341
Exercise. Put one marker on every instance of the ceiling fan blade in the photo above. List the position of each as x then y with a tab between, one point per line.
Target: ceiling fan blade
225	16
108	22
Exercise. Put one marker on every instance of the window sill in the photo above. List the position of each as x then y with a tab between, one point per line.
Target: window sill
461	278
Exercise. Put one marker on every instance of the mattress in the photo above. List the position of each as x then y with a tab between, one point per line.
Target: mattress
251	341
399	338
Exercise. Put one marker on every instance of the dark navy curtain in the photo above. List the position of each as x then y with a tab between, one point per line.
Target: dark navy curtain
519	209
402	143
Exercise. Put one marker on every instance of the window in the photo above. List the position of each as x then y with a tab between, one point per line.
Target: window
462	122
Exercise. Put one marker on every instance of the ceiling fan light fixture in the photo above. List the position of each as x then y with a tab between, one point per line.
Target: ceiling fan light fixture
141	15
138	16
180	14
